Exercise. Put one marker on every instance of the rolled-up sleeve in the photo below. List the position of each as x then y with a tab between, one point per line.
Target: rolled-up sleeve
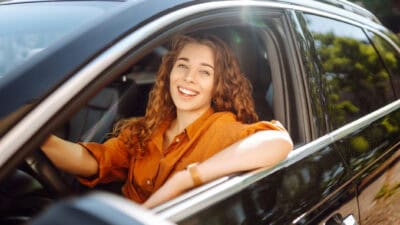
248	129
226	130
113	160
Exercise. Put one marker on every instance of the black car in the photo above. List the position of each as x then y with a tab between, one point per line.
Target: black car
328	70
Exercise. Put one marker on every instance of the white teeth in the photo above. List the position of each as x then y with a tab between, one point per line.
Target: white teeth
186	91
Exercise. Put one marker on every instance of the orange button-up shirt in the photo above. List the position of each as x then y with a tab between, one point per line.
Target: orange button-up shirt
209	134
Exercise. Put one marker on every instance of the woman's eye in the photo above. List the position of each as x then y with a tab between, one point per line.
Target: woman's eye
205	72
183	66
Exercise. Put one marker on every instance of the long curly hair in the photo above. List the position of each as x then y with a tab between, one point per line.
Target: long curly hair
232	92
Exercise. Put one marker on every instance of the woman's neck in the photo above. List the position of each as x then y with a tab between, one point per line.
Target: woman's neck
185	118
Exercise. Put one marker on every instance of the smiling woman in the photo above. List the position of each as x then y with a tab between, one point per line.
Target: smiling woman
192	80
207	94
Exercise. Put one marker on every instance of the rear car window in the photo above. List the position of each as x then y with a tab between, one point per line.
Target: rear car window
354	80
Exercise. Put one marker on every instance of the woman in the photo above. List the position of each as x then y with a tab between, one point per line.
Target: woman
199	113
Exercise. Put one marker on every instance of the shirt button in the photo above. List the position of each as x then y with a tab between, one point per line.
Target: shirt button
148	182
177	140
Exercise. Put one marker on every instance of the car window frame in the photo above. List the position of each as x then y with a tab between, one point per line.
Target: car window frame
188	199
187	26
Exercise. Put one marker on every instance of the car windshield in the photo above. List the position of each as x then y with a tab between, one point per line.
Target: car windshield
26	29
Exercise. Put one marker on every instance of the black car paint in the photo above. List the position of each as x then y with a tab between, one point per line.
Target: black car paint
300	193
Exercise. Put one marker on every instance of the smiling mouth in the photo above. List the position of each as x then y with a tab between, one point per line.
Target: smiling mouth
187	92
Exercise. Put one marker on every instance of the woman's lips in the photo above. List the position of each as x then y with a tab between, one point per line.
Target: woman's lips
187	92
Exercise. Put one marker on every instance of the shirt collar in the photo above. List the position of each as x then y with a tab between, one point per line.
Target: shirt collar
190	131
194	127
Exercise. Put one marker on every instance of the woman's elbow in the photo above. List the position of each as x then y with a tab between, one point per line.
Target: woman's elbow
275	149
287	142
284	147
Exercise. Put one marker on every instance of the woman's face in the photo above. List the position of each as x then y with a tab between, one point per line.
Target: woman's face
192	78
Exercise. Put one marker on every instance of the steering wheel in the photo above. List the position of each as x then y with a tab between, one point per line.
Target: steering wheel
21	198
47	173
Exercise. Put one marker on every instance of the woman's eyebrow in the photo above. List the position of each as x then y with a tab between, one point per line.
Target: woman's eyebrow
183	58
187	60
206	64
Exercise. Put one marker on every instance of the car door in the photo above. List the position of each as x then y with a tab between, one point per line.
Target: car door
379	185
363	110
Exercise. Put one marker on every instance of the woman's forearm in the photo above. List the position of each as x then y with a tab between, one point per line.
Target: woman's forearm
175	185
262	149
70	157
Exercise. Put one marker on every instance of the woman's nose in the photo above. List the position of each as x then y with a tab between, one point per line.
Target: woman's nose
189	76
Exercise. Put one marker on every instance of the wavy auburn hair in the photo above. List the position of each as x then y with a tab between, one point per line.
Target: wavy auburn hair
232	92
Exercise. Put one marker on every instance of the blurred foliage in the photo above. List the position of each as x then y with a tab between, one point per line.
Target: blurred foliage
357	83
386	191
359	144
352	76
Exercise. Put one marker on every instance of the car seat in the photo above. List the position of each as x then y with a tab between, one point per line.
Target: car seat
96	120
250	50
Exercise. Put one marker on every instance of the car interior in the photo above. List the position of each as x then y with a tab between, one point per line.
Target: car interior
37	183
